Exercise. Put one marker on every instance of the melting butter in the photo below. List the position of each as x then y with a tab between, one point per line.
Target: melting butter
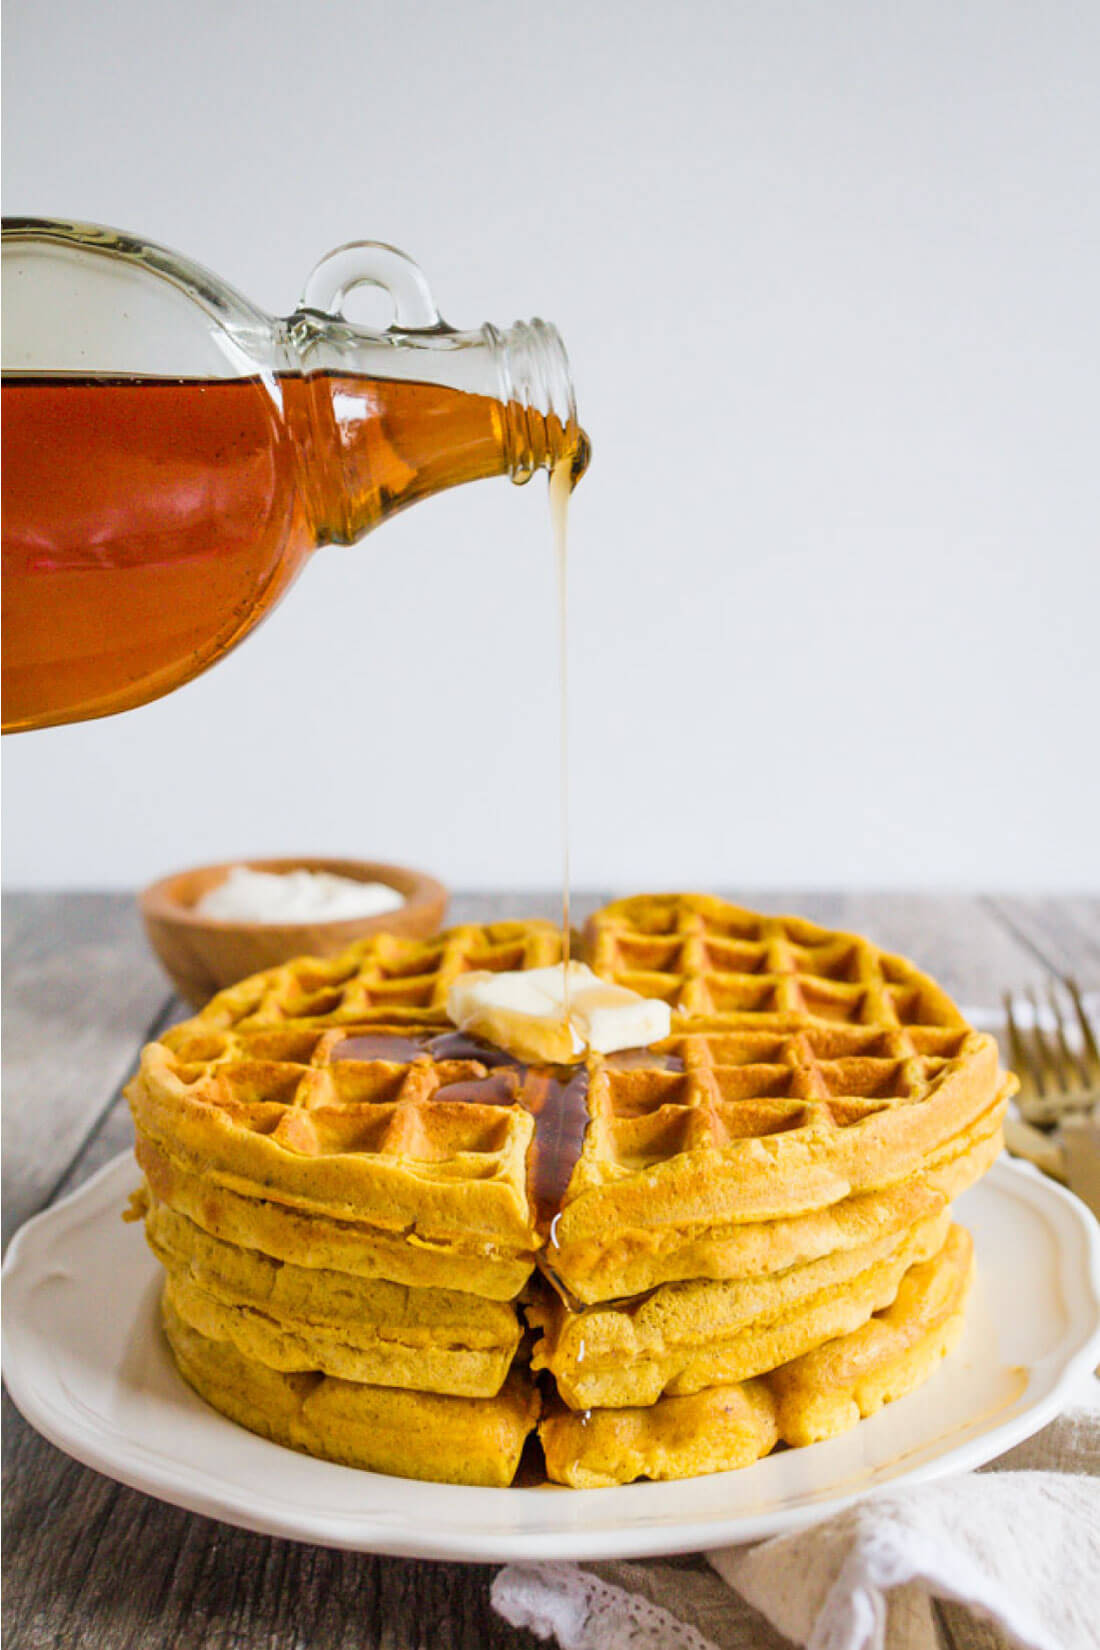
555	1014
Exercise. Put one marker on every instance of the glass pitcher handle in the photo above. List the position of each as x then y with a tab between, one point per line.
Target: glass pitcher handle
373	263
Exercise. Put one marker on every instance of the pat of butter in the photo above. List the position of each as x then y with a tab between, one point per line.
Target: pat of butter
524	1011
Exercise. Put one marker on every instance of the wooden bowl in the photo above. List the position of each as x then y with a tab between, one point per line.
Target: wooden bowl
202	956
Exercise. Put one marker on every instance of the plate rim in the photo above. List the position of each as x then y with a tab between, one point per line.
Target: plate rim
1077	1352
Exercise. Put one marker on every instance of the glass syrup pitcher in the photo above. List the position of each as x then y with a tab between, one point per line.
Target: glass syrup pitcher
172	454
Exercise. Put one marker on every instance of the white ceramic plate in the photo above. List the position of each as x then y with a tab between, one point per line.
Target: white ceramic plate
86	1364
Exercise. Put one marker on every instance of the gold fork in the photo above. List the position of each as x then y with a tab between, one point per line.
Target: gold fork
1057	1078
1057	1128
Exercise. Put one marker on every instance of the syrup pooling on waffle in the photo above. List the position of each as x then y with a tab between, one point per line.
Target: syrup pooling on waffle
555	1096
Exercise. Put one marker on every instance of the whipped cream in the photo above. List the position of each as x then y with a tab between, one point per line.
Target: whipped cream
525	1011
294	896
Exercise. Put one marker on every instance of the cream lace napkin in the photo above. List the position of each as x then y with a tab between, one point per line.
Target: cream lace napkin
1009	1555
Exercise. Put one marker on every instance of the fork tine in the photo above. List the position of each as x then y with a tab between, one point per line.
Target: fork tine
1050	1072
1021	1055
1072	1073
1090	1057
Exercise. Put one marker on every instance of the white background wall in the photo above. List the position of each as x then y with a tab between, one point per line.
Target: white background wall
829	275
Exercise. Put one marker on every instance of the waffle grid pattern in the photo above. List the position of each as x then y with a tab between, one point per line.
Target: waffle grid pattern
708	958
778	1026
291	1086
383	977
740	1085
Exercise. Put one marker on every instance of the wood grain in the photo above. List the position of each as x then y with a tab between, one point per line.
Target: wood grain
91	1565
81	993
1063	933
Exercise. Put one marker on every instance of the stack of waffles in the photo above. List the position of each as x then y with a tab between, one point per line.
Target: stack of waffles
396	1247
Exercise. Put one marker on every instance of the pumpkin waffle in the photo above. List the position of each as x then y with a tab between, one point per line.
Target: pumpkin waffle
834	1386
379	1428
293	1317
256	1123
805	1401
822	1069
713	1431
479	1441
687	1336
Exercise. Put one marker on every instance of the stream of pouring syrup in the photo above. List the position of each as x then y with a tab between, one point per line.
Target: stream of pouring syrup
561	487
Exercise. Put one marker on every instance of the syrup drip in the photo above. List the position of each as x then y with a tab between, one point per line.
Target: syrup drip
559	1105
396	1047
556	1096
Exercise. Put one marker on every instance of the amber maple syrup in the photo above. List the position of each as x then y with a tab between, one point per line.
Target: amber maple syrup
150	523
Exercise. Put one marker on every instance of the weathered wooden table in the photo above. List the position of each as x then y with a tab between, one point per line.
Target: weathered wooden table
89	1565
